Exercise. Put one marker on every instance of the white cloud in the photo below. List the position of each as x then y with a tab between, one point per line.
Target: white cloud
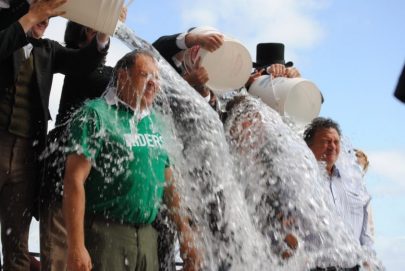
389	166
289	21
391	251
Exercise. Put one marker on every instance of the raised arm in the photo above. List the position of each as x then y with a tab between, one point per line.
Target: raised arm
76	171
208	41
39	11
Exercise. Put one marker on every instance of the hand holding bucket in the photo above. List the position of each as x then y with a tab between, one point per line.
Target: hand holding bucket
297	98
228	67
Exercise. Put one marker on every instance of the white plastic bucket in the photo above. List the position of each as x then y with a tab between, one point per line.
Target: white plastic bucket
297	98
228	67
101	15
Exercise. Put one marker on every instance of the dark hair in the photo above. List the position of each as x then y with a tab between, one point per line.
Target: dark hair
75	34
318	124
231	104
129	60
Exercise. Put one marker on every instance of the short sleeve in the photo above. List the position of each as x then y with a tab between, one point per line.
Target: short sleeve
84	134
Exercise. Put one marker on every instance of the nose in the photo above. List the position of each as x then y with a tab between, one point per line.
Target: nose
332	146
153	83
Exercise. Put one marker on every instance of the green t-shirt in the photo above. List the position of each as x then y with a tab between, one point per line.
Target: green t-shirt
126	181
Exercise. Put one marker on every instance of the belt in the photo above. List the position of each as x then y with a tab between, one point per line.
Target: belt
356	268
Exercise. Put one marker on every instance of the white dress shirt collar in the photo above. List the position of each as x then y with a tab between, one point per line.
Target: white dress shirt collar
112	98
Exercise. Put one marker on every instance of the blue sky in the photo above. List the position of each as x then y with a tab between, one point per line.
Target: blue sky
353	50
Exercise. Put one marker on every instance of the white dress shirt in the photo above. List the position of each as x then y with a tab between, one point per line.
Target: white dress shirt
351	200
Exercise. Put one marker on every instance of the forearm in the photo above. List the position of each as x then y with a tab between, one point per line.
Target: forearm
39	11
73	212
188	249
27	22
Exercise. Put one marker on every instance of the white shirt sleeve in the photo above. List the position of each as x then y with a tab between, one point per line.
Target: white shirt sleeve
181	41
101	45
366	239
207	98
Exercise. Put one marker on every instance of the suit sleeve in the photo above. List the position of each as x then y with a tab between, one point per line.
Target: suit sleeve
18	8
77	61
167	47
12	38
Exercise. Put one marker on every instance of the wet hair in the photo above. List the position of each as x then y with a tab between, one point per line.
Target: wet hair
319	124
235	101
129	60
75	34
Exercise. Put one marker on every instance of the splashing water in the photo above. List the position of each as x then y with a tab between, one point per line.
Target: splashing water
244	197
234	194
284	189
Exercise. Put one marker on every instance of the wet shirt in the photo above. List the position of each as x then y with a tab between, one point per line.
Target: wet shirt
126	181
351	203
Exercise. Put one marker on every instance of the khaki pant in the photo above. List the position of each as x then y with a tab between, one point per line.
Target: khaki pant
18	186
117	247
53	238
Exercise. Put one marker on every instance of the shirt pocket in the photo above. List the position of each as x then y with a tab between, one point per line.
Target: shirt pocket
355	203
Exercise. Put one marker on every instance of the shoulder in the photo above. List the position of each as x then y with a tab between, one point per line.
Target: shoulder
52	43
164	40
14	31
96	105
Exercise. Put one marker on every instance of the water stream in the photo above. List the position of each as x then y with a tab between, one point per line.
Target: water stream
240	194
247	188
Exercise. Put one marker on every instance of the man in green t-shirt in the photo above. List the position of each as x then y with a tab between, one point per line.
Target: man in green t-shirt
117	173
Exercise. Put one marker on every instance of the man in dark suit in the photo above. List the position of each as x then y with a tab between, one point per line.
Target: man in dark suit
27	65
11	11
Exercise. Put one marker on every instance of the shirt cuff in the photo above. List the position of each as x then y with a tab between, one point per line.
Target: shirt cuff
101	45
208	97
181	41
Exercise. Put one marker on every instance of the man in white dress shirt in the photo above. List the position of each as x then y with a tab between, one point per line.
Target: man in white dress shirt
350	201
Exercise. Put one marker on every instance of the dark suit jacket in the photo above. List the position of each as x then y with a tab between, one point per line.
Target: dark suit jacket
18	8
77	89
167	47
49	58
400	90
